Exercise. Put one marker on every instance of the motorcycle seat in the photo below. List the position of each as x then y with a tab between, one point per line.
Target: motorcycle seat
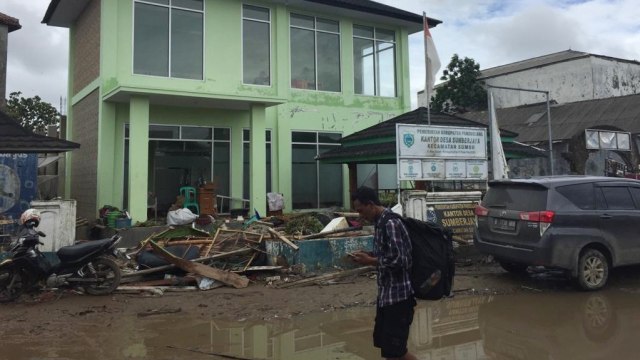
75	252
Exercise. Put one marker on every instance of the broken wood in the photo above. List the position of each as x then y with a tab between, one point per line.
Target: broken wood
171	266
322	234
155	289
326	277
159	311
226	277
283	239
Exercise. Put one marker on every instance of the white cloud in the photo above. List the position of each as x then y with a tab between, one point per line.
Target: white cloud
36	54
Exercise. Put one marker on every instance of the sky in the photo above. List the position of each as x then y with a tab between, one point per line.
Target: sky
492	32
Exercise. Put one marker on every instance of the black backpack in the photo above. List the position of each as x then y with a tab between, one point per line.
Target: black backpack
432	250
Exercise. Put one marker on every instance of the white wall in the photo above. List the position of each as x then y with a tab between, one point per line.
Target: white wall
569	81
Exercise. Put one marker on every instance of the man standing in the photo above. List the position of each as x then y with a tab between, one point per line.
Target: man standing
392	258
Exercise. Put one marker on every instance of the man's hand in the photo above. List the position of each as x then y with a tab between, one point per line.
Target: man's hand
363	258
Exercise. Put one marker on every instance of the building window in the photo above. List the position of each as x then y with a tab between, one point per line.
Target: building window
168	38
183	156
315	53
314	184
374	65
246	163
256	45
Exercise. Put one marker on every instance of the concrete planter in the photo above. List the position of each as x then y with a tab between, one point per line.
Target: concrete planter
318	255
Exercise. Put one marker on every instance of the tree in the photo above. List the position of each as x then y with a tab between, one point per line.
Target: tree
32	113
462	91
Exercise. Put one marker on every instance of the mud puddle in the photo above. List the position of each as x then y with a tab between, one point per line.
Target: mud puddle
524	326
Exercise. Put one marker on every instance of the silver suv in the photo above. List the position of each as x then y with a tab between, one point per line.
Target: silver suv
583	224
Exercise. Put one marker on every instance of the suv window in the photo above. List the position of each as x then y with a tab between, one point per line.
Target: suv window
581	195
516	197
617	198
635	193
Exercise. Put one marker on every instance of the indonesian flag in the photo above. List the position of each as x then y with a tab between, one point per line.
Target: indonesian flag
499	165
432	61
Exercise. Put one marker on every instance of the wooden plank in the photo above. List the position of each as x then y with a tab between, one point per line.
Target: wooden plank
171	266
322	234
283	239
336	275
225	277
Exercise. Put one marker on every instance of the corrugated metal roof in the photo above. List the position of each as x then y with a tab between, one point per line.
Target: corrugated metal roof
541	61
16	139
567	120
11	22
417	116
384	150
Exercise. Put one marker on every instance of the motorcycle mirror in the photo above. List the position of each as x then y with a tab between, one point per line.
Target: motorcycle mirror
40	233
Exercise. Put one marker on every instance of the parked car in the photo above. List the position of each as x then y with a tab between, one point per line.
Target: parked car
583	224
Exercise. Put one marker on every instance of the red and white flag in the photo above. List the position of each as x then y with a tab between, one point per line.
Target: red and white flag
432	60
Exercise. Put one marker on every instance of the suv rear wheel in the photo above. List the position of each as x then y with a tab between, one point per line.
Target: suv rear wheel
593	270
514	268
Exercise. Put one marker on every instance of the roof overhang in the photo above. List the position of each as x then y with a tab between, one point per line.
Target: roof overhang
124	95
63	13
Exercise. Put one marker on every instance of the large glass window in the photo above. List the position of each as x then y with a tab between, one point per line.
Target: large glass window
168	38
315	53
183	156
374	65
314	185
246	163
256	45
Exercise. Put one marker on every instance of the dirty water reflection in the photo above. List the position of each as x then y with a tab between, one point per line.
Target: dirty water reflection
528	326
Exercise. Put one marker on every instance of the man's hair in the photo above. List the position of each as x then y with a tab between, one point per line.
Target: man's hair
366	195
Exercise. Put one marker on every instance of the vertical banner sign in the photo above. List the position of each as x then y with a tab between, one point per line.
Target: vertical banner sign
443	152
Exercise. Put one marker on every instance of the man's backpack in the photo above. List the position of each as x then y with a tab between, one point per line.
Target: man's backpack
432	250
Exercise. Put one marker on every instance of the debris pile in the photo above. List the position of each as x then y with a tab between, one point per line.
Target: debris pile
184	258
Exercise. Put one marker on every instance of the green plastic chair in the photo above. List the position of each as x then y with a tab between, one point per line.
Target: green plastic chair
190	200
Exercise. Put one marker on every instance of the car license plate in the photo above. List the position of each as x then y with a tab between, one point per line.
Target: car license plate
504	224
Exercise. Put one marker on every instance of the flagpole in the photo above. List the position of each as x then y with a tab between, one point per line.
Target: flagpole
425	25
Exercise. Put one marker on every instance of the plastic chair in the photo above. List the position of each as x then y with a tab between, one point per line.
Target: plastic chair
190	201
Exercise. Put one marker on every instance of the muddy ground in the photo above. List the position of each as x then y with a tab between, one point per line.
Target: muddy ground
259	301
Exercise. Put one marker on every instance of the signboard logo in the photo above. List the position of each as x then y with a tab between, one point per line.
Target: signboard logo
408	139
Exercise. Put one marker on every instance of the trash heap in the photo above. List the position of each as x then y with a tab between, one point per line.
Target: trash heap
184	258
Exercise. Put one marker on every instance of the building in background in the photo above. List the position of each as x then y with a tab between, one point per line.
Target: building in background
172	93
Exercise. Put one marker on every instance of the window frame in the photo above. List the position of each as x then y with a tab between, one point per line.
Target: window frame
315	51
376	69
242	17
317	144
169	62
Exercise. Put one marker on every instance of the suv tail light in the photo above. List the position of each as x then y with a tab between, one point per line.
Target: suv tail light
481	210
538	216
545	218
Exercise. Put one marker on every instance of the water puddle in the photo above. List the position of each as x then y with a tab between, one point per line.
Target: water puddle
528	326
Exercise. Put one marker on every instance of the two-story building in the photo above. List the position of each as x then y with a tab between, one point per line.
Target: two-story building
245	94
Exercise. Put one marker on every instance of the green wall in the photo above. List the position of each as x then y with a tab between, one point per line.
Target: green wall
343	112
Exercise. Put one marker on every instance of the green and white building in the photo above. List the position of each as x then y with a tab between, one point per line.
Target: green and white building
171	93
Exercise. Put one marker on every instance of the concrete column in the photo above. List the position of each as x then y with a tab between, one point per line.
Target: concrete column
138	157
106	156
258	168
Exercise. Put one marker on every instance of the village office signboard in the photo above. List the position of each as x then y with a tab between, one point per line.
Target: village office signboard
431	152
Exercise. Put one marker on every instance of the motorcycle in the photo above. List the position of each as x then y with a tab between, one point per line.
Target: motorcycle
86	265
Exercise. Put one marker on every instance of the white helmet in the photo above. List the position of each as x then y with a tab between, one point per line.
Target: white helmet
30	218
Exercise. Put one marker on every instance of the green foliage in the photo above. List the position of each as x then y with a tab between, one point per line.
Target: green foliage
462	91
32	113
305	224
